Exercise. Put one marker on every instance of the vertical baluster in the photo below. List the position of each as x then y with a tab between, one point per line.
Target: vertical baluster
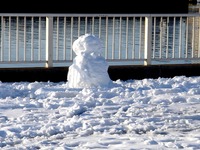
86	25
120	32
174	35
32	38
199	37
9	39
161	33
79	22
113	39
193	32
2	38
167	44
180	37
57	39
106	40
17	38
186	39
99	27
64	40
72	26
39	38
154	37
133	32
127	37
92	25
140	38
24	38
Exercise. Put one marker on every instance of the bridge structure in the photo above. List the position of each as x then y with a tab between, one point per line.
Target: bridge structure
38	46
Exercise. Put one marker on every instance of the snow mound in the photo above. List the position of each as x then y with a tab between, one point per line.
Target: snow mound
89	68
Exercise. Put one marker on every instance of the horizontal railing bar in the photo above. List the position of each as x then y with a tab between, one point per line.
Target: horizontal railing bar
116	60
111	60
159	59
19	62
95	15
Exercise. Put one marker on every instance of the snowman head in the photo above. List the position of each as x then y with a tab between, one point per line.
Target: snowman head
87	43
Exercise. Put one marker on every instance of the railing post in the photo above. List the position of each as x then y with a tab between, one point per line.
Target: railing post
148	40
49	41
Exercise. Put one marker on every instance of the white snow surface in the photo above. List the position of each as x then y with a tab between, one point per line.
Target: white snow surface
162	113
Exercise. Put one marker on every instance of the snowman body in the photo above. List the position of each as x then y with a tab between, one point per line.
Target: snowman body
89	68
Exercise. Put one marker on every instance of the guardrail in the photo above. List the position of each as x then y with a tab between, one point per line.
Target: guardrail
45	40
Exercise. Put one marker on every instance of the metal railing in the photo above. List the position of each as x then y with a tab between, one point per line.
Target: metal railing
45	40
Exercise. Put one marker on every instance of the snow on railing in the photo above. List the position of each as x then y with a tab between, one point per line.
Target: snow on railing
45	40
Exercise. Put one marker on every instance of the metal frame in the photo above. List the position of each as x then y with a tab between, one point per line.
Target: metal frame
128	38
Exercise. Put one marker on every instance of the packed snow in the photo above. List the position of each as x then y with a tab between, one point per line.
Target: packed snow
89	68
162	113
135	114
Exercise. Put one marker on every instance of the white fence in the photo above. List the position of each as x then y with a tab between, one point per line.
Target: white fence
45	40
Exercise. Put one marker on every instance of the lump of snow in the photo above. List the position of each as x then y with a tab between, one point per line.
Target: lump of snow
89	68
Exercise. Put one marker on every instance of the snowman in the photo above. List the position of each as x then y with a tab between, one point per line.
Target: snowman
89	67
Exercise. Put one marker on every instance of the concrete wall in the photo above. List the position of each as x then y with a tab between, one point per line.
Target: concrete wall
116	72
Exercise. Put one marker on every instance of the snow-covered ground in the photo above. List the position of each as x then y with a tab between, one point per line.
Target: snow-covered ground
161	113
90	111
